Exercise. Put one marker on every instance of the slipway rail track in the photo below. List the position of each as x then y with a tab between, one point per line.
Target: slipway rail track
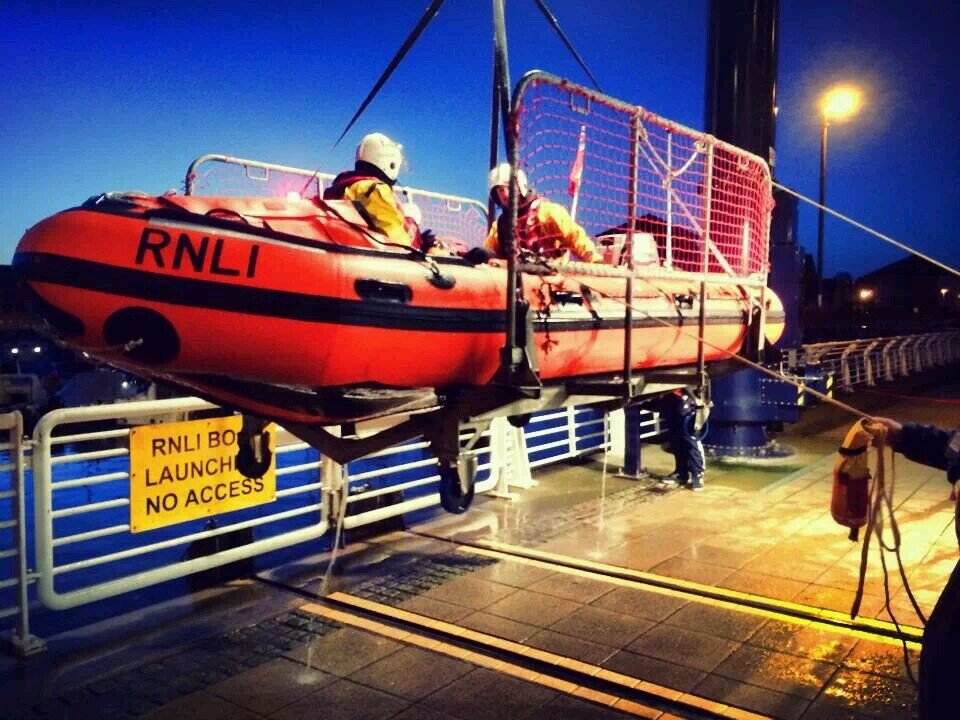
629	694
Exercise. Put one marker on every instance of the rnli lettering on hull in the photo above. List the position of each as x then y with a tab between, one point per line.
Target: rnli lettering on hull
159	248
183	471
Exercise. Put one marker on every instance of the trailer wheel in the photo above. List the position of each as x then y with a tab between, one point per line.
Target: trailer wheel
453	498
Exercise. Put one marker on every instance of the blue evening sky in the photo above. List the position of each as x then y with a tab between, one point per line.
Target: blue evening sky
122	96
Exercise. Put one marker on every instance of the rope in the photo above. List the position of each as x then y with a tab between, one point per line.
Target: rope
125	347
730	354
871	231
880	494
942	401
341	516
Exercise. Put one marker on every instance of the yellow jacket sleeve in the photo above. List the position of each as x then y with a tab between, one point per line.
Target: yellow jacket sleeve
573	237
492	243
378	202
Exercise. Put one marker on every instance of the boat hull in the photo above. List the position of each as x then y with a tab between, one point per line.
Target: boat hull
306	302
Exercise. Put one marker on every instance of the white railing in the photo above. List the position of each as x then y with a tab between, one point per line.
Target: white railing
68	515
446	215
565	433
20	576
390	475
77	506
864	362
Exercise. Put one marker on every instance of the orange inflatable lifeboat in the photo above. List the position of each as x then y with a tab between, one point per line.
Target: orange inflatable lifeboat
286	307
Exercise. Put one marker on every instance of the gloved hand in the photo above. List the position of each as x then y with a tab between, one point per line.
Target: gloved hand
884	426
478	256
427	240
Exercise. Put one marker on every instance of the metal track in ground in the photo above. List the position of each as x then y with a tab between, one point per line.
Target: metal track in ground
821	618
626	694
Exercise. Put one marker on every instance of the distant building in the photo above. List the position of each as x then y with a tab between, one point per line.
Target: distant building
907	296
14	314
912	286
23	349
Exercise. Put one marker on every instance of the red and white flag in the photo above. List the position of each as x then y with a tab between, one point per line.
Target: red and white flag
576	172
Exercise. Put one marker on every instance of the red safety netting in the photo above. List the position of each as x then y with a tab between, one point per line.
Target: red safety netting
451	217
575	146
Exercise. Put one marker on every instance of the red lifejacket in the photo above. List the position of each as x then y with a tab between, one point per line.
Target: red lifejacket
531	234
344	180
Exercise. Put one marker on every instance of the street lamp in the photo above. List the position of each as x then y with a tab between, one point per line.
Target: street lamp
838	104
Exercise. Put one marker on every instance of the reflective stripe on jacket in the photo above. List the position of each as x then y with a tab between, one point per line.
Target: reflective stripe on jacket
546	229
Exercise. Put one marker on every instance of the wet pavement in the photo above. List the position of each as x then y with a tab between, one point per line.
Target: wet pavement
512	610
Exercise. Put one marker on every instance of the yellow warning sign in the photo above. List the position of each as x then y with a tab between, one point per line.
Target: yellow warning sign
186	470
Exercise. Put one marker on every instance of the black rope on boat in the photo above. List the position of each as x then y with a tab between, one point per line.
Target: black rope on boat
418	29
438	278
551	18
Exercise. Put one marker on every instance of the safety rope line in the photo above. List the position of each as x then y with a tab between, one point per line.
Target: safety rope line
341	518
880	495
866	229
942	401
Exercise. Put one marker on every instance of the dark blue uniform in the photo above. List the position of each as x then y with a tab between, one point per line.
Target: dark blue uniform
677	411
940	657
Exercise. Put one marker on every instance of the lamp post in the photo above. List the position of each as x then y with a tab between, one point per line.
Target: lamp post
837	104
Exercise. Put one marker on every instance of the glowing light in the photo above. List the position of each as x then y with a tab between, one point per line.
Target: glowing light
14	351
86	354
125	384
840	103
943	292
865	294
36	348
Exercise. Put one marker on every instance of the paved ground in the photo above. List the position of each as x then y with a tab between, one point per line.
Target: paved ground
763	531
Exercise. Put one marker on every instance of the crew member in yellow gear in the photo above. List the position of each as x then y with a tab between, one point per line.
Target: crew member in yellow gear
370	186
544	228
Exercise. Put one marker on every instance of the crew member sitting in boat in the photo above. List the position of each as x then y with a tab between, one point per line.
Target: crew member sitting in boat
370	187
544	228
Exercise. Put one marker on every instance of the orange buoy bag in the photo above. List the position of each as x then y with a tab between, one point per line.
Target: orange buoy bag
850	503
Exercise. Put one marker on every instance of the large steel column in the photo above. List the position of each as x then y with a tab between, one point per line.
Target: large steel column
741	87
741	109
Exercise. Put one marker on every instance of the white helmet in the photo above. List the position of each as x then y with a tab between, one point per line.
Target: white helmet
379	150
500	175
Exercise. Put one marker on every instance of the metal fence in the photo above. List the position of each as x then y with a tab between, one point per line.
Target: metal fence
864	362
74	511
16	576
83	544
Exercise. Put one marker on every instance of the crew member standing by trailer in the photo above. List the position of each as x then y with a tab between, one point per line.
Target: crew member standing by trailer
940	655
370	187
678	412
544	228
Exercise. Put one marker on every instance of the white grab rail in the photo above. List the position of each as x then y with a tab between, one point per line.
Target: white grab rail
47	541
862	362
23	642
553	435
